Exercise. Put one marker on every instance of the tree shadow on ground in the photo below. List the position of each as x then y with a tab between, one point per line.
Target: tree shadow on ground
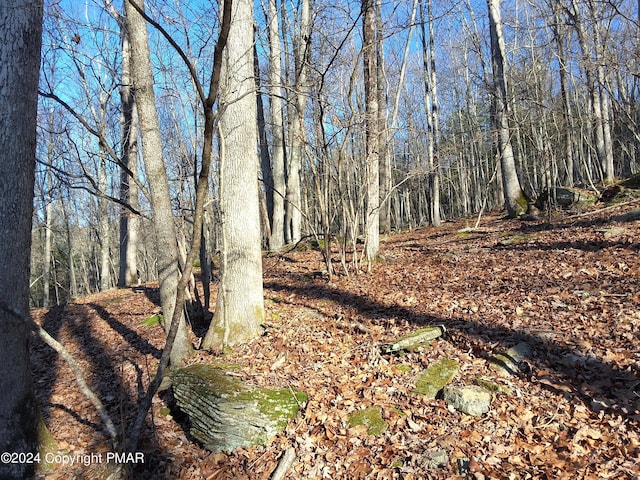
583	376
139	343
198	319
74	327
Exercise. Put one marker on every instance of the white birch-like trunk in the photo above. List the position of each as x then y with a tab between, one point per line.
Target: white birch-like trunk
372	133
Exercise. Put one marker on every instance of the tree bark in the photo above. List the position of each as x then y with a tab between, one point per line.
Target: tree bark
103	225
372	133
293	206
431	109
384	128
567	111
128	273
276	240
163	219
240	304
515	199
598	114
21	33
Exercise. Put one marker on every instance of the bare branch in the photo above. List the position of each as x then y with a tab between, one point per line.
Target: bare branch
80	378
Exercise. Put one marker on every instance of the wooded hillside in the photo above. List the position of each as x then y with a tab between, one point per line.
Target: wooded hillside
571	410
472	111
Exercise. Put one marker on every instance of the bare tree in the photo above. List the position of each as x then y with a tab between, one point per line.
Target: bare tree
297	136
431	110
21	33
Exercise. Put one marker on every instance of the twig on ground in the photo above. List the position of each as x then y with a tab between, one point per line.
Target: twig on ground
285	463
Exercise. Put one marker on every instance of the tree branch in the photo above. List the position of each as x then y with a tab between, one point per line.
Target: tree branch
75	368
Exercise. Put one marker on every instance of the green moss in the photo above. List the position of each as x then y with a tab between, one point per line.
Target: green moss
437	376
522	204
403	368
513	239
371	418
152	321
464	233
492	386
46	444
259	314
278	405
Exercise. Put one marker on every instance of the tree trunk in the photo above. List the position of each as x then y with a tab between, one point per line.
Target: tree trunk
266	189
240	305
103	226
48	213
163	219
431	108
20	30
597	119
128	274
567	110
276	241
372	133
293	223
383	128
515	199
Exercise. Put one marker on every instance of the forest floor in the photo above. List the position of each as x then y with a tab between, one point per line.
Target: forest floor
571	290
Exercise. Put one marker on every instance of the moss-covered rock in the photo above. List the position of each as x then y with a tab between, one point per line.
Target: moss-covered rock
225	415
437	376
493	387
567	197
509	362
414	341
369	417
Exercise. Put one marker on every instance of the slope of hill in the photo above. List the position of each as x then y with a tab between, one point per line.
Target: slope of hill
570	291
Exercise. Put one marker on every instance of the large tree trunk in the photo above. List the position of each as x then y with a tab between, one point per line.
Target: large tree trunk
20	30
515	199
240	305
372	133
163	219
